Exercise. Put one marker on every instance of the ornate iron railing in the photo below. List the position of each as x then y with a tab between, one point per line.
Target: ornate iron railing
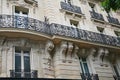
70	7
96	15
23	74
87	76
113	20
25	23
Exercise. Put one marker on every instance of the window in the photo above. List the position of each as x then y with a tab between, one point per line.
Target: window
117	33
84	66
92	6
69	1
21	11
74	23
21	16
100	29
22	62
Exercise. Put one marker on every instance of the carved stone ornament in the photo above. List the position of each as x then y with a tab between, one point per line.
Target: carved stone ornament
48	48
25	2
62	50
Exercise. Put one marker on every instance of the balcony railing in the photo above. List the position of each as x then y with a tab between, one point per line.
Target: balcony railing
11	21
113	20
23	74
116	77
71	8
86	76
25	23
96	16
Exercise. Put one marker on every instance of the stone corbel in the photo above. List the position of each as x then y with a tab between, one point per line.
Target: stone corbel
63	48
75	51
2	40
48	48
69	51
93	52
102	54
113	58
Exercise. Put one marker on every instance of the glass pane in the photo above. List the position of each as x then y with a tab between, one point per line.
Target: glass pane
86	67
17	64
81	67
17	61
26	61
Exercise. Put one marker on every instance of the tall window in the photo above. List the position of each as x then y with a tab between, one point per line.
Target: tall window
84	66
21	17
22	62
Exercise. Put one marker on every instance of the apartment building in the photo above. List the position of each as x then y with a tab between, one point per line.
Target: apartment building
59	39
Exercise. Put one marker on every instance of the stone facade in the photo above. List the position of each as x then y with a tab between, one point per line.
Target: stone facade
61	39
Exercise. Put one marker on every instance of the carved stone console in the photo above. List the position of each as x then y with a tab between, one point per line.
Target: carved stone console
48	61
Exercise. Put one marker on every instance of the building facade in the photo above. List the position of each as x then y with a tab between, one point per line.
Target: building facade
61	39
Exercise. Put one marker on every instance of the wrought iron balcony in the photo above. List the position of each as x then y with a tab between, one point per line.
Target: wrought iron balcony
71	8
96	16
87	76
23	74
11	21
25	23
113	20
116	77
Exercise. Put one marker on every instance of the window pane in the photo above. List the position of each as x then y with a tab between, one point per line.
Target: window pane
26	61
17	64
81	67
86	67
18	61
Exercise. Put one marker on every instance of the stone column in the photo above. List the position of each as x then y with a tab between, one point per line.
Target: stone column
69	52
